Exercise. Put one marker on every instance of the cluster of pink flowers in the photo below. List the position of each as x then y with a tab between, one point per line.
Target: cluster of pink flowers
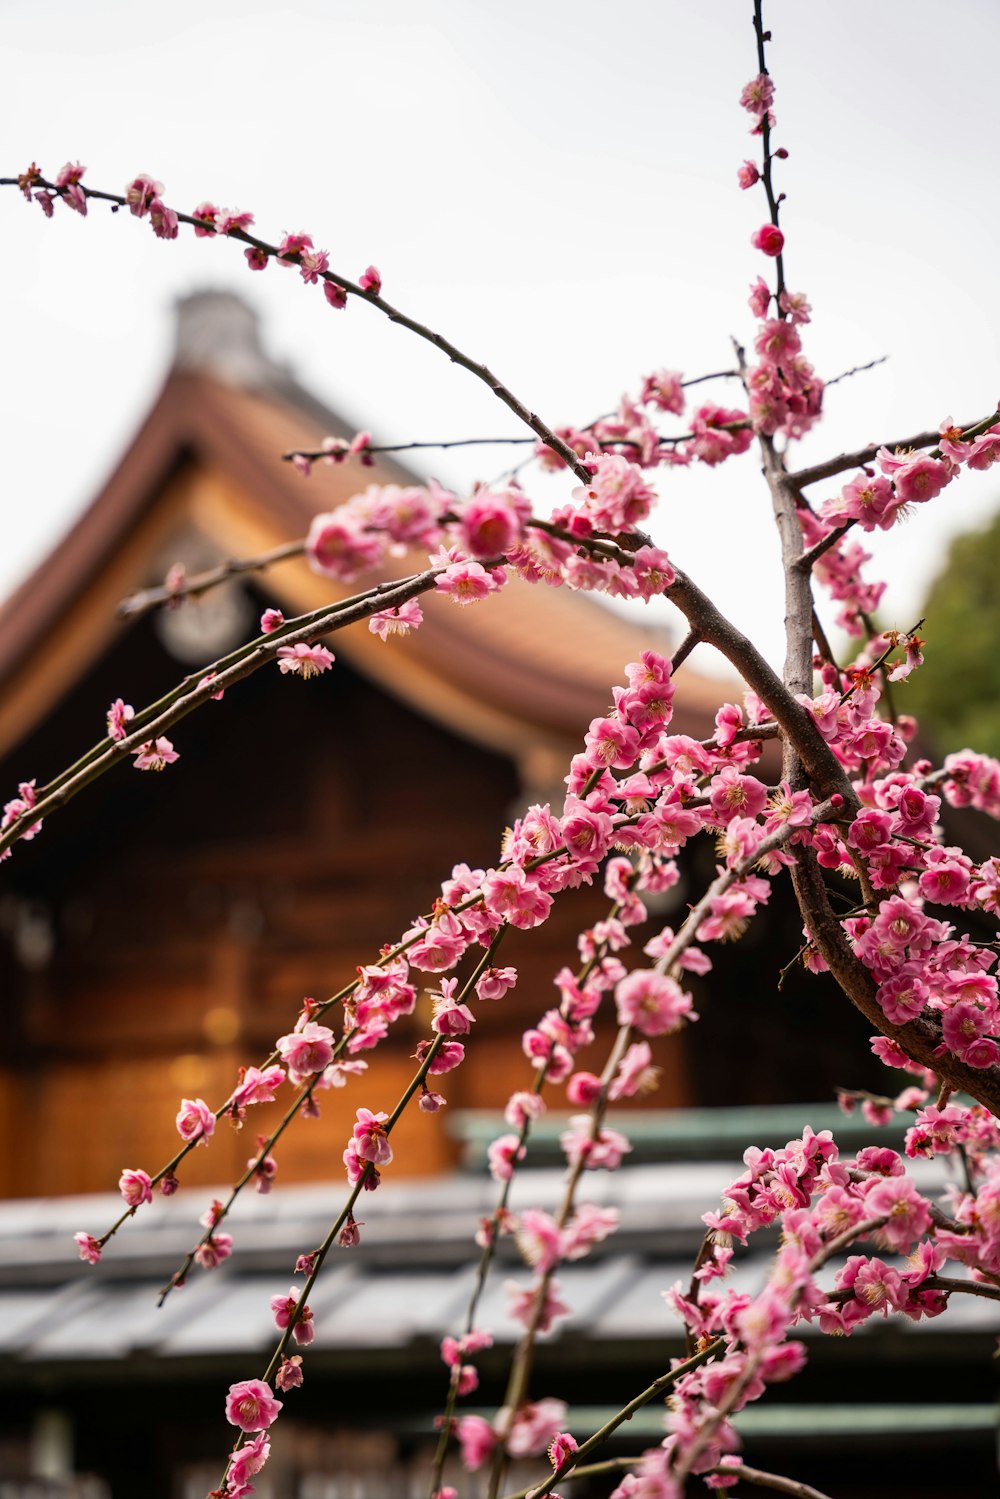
821	1203
717	433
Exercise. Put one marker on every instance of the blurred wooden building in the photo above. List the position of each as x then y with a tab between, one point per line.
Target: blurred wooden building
164	929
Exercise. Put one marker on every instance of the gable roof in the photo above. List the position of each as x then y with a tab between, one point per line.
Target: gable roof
523	673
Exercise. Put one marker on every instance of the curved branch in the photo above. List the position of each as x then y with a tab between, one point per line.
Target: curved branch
394	314
820	762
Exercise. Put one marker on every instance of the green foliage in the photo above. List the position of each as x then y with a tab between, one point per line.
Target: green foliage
956	693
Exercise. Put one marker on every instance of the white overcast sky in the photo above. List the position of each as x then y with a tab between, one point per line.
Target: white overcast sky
551	184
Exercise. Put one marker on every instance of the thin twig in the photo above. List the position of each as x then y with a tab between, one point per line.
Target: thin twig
774	1481
817	471
859	369
394	314
658	1387
164	593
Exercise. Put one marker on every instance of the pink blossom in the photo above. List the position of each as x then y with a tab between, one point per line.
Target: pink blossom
304	660
73	194
370	280
903	997
634	1075
589	1225
965	1028
370	1139
611	743
17	807
768	238
248	1460
338	545
312	265
663	389
618	497
285	1309
398	621
758	95
466	582
195	1120
523	1303
307	1049
216	1248
876	1287
494	983
163	220
491	523
476	1439
207	214
795	305
985	450
503	1155
605	1152
450	1054
140	193
522	1106
289	1376
264	1167
270	620
732	794
538	1238
906	1212
748	174
652	572
359	1169
450	1018
921	479
256	1086
335	295
516	897
135	1187
251	1406
291	247
535	1426
89	1247
231	219
155	755
583	1089
651	1002
256	258
760	298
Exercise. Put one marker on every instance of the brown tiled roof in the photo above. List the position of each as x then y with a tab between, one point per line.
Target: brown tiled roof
530	661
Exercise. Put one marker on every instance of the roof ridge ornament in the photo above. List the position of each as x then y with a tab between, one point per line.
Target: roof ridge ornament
218	333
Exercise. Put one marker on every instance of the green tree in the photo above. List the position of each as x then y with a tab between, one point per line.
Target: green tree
956	693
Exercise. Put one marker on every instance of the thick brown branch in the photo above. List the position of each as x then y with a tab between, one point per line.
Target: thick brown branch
824	770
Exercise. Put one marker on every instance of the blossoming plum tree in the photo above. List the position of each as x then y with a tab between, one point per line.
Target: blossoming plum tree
853	804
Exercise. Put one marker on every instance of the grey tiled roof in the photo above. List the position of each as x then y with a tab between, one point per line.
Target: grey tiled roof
406	1284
